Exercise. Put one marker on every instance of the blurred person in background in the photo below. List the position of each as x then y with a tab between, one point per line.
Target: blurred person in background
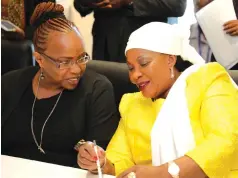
198	39
115	20
19	12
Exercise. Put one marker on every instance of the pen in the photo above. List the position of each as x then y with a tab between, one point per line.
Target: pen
98	161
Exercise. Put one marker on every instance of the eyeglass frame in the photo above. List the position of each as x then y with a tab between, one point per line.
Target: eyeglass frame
58	64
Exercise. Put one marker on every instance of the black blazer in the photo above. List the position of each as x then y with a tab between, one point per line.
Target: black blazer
93	100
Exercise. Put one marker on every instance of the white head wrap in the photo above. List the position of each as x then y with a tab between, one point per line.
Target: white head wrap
164	38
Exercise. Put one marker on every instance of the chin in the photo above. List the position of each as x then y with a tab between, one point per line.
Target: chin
148	94
67	87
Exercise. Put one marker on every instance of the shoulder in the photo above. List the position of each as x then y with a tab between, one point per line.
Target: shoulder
211	78
92	81
212	71
16	76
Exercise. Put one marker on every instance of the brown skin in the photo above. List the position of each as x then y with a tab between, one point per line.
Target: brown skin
231	27
60	47
152	67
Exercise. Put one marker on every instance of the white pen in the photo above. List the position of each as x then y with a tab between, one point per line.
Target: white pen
98	161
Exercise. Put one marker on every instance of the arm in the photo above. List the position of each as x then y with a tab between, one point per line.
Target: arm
215	155
81	8
219	120
118	151
118	155
162	8
102	119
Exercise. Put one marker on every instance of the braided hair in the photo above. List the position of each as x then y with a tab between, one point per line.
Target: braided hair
47	17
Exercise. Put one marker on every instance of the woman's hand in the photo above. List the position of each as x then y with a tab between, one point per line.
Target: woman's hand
231	27
142	172
87	157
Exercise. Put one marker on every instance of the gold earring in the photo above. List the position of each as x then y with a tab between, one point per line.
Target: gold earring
172	73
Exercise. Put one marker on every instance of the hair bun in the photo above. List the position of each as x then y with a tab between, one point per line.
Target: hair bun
45	11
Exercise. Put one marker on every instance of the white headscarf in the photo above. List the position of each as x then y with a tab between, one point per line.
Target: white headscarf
165	38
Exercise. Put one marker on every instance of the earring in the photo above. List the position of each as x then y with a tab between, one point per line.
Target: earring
172	73
42	77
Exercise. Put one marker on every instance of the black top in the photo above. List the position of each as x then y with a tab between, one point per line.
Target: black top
88	112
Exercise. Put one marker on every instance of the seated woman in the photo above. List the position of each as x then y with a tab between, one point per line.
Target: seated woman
46	110
183	123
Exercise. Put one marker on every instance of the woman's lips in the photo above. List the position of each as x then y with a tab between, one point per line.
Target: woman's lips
143	85
73	81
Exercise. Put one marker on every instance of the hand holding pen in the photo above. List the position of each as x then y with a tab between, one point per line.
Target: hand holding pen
99	170
91	157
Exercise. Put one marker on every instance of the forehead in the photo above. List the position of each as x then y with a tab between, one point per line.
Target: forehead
64	44
135	54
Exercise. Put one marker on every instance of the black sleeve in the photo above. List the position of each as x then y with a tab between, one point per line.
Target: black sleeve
82	9
159	8
103	116
9	83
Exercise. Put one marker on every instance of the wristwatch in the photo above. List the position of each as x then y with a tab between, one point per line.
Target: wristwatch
173	169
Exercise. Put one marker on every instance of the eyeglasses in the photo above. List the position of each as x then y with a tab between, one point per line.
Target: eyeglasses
68	63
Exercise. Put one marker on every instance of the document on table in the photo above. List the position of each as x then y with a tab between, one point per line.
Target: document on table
12	167
211	19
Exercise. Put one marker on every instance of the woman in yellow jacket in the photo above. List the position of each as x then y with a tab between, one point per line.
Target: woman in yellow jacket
183	123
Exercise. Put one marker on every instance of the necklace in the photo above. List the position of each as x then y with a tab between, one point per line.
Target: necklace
39	145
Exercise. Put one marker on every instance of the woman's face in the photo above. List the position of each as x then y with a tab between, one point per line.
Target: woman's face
62	48
150	71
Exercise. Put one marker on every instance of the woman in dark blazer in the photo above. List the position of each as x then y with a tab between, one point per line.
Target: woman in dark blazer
46	110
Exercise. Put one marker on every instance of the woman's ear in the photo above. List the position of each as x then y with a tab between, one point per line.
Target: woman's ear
38	58
172	60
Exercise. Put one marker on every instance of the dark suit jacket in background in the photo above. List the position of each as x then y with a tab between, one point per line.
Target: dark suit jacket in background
112	28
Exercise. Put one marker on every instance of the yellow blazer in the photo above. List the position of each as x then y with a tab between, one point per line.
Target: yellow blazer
213	108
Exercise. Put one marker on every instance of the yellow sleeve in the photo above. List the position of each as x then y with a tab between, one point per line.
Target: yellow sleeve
118	150
219	121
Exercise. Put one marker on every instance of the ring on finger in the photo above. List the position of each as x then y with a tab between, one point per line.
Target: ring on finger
131	175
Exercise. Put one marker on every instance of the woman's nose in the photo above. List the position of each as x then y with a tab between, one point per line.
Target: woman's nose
77	68
136	74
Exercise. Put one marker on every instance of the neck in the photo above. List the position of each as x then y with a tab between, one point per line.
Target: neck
176	76
46	88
